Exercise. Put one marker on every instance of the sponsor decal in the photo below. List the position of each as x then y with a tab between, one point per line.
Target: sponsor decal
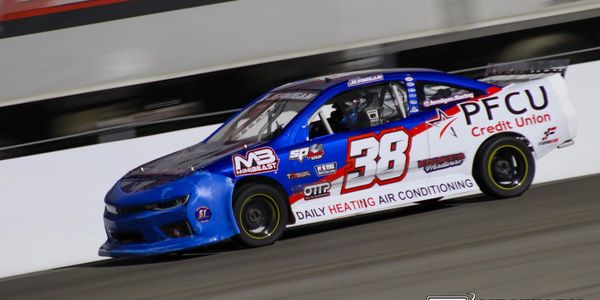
352	205
546	140
441	162
413	103
298	175
383	200
363	80
310	213
428	103
515	107
517	103
431	190
292	96
261	160
314	152
509	125
376	159
326	169
317	190
443	121
203	214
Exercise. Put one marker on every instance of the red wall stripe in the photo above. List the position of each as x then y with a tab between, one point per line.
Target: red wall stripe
56	9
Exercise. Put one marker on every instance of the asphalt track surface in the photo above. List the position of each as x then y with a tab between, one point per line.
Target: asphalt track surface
545	244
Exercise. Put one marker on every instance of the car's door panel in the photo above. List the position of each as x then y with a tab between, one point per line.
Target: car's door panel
371	165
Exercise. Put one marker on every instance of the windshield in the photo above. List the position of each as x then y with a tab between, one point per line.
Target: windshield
266	118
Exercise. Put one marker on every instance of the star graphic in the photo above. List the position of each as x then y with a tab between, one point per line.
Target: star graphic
439	121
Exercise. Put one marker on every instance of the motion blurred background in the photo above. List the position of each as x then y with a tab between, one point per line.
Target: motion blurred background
76	73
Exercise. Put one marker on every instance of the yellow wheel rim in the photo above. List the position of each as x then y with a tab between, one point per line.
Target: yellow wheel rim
523	177
274	209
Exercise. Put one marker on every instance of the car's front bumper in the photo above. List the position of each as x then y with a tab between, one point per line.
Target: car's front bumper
160	247
177	228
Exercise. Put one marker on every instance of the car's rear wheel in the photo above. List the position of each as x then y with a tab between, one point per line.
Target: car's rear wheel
504	167
261	214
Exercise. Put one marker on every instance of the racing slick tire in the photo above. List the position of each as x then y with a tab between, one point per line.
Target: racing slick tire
261	215
504	167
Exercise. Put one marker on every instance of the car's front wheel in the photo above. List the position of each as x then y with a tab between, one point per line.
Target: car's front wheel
261	214
504	167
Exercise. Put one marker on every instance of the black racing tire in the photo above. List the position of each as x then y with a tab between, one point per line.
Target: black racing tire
261	214
504	167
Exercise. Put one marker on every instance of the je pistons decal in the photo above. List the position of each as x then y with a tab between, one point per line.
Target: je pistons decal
261	160
441	162
314	152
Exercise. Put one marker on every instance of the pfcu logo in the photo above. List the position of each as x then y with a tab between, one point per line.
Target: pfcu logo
315	151
516	103
468	296
317	190
261	160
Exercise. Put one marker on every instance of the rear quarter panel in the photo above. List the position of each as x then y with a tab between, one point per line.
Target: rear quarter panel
533	109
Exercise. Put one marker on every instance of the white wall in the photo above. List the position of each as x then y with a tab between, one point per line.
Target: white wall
221	36
52	203
581	158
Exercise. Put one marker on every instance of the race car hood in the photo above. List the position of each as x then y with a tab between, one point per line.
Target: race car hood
189	159
179	164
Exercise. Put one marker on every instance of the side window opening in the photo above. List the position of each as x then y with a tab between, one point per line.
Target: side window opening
399	100
360	108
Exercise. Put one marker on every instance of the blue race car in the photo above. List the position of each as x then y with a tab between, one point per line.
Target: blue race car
338	146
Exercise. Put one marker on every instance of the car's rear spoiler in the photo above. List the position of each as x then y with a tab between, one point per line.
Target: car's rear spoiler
506	73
